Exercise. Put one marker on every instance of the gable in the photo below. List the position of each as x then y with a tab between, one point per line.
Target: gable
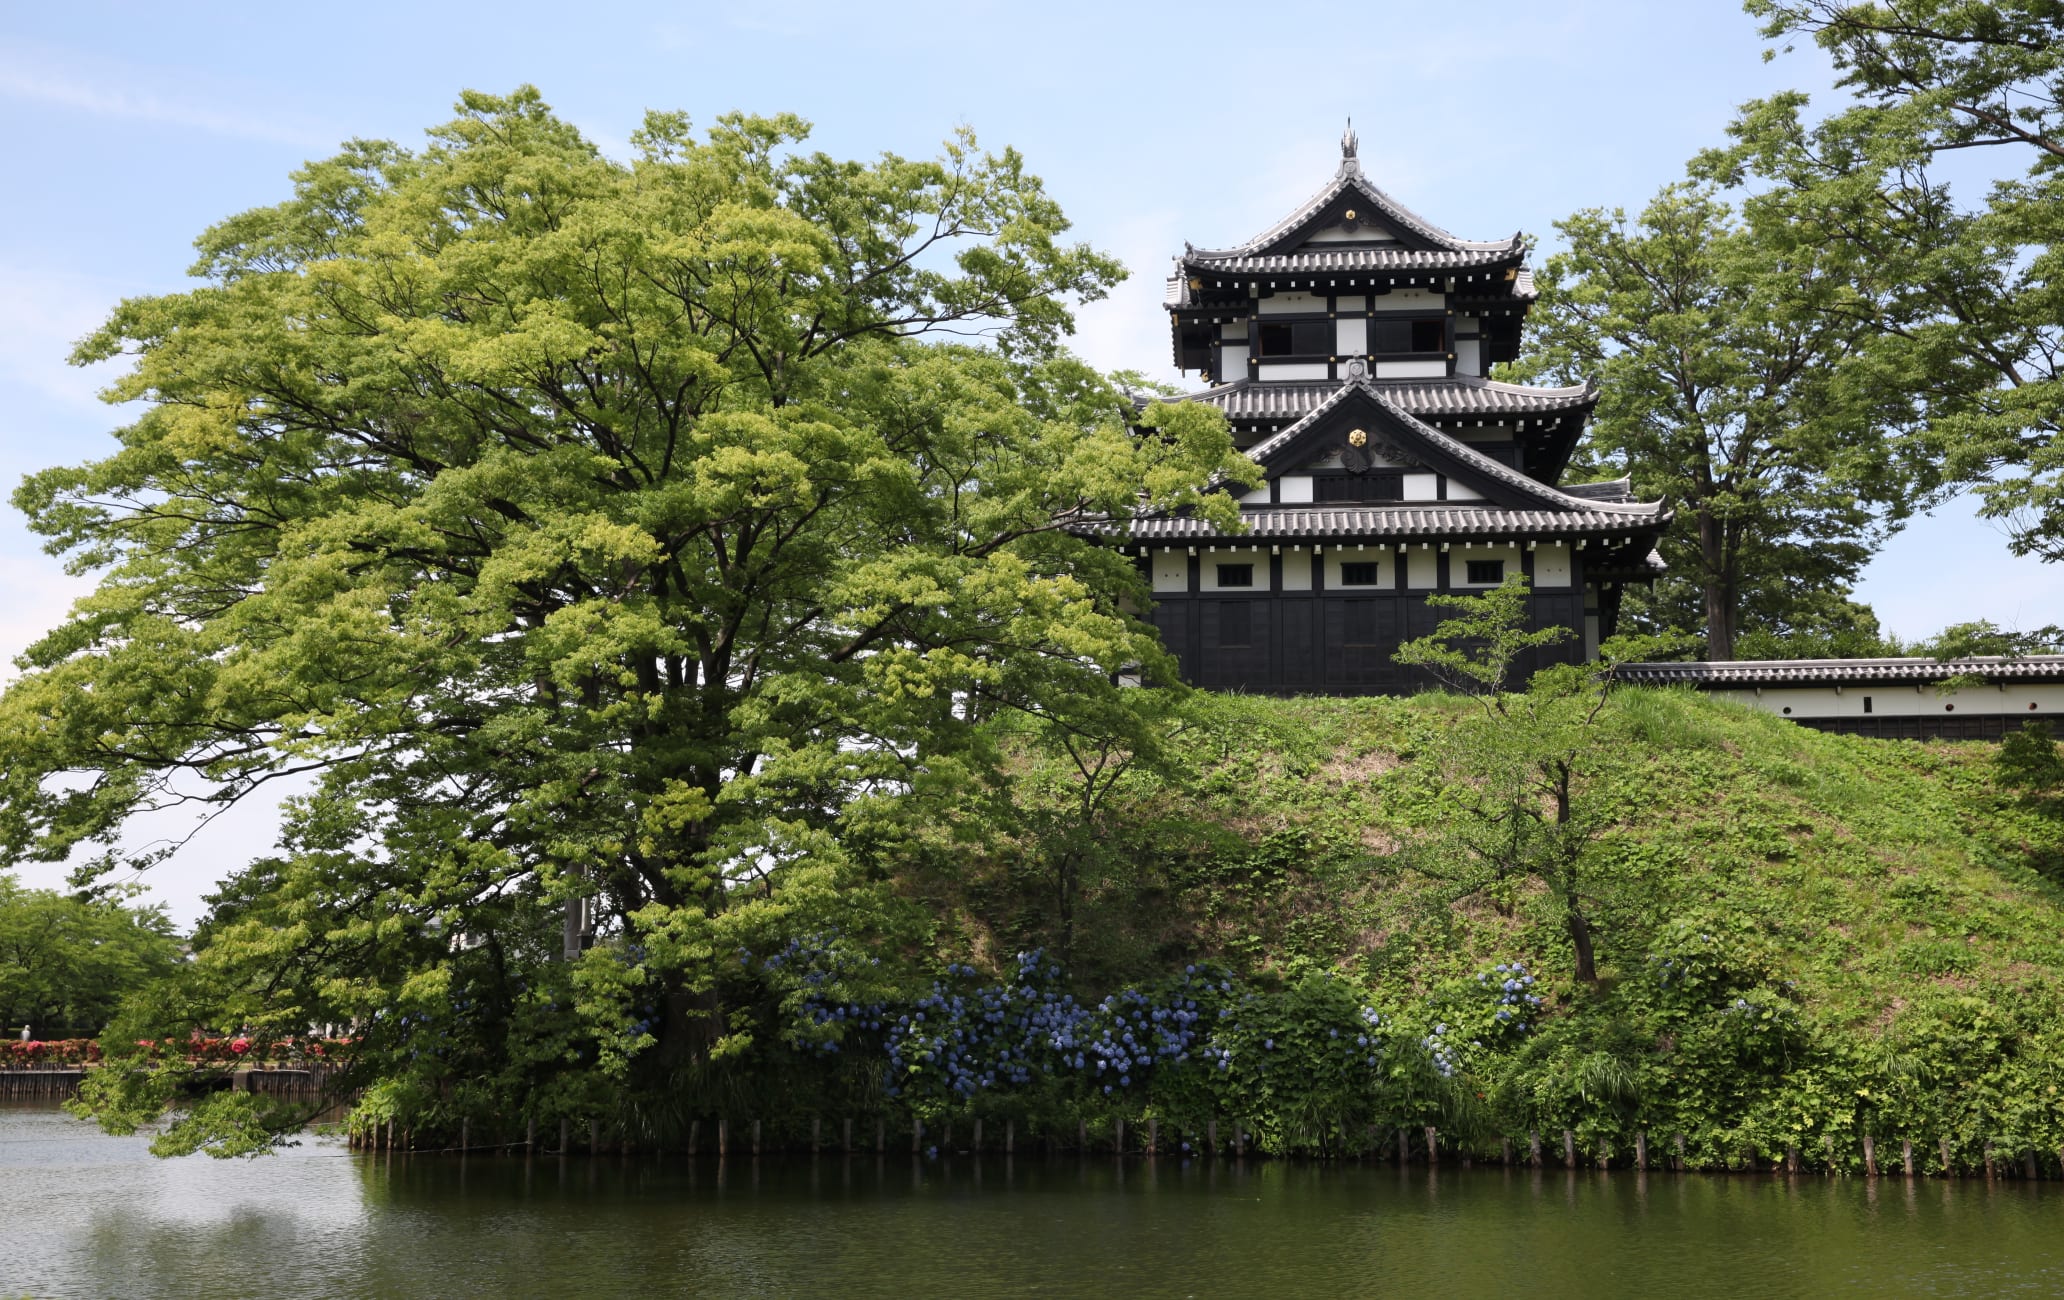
1391	441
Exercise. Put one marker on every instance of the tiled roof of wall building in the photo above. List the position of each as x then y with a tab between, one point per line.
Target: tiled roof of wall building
1247	399
1619	489
1744	673
1414	521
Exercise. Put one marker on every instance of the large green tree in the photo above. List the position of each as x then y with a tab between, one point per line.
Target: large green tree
68	960
1725	349
1943	179
614	543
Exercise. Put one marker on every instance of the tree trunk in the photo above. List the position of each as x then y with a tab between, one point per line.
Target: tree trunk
1718	585
1580	940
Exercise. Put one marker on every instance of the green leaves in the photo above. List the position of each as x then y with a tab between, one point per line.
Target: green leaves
593	535
1727	350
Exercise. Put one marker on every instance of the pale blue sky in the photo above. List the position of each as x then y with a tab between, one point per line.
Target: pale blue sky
132	127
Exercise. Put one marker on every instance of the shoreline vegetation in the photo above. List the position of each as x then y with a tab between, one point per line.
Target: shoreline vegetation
1815	953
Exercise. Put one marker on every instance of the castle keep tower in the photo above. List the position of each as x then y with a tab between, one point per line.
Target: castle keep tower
1349	347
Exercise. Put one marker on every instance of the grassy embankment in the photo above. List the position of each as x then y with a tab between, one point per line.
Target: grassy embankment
1804	939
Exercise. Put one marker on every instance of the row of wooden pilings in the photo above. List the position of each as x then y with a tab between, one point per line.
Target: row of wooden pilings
40	1083
65	1082
1409	1148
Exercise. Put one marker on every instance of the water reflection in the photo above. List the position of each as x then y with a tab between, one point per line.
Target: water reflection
86	1215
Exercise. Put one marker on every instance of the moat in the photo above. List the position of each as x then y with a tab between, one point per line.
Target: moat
89	1215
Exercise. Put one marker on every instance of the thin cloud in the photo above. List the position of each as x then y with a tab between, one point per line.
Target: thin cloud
56	89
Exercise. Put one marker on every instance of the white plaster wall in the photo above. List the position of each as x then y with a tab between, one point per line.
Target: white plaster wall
1294	489
1384	558
1422	487
1292	371
1422	569
1590	636
1347	302
1232	361
1468	356
1210	560
1458	571
1411	369
1297	570
1351	336
1258	497
1552	566
1412	296
1460	491
1329	461
1236	330
1171	571
1290	304
1903	701
1466	324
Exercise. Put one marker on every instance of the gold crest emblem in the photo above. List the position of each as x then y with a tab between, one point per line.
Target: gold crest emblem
1357	439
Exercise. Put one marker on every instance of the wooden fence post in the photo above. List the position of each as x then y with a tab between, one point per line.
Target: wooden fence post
978	1136
916	1135
1010	1135
723	1138
694	1133
1404	1146
1988	1160
594	1137
756	1138
565	1135
1791	1159
816	1133
846	1144
1533	1147
1870	1155
1505	1151
465	1135
1947	1170
881	1136
1153	1134
1641	1150
1211	1135
1118	1141
1432	1148
2028	1165
530	1135
1906	1155
1569	1149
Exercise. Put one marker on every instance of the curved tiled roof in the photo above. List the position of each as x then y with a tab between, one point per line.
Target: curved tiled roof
1414	521
1350	177
1248	399
1842	672
1453	449
1347	259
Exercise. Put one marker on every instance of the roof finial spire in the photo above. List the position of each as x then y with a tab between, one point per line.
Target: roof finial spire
1348	142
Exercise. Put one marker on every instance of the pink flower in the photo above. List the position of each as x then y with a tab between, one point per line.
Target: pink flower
240	1045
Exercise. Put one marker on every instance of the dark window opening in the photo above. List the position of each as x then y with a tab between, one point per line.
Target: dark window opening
1358	574
1360	487
1866	704
1304	338
1235	625
1235	575
1486	572
1407	334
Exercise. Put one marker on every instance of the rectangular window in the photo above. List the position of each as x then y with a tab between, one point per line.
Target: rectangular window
1303	338
1406	334
1235	575
1358	573
1488	573
1378	486
1235	624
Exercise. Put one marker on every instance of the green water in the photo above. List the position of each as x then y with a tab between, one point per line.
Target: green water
86	1215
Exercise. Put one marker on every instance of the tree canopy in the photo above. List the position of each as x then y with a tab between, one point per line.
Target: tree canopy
1727	354
1943	180
67	961
611	542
